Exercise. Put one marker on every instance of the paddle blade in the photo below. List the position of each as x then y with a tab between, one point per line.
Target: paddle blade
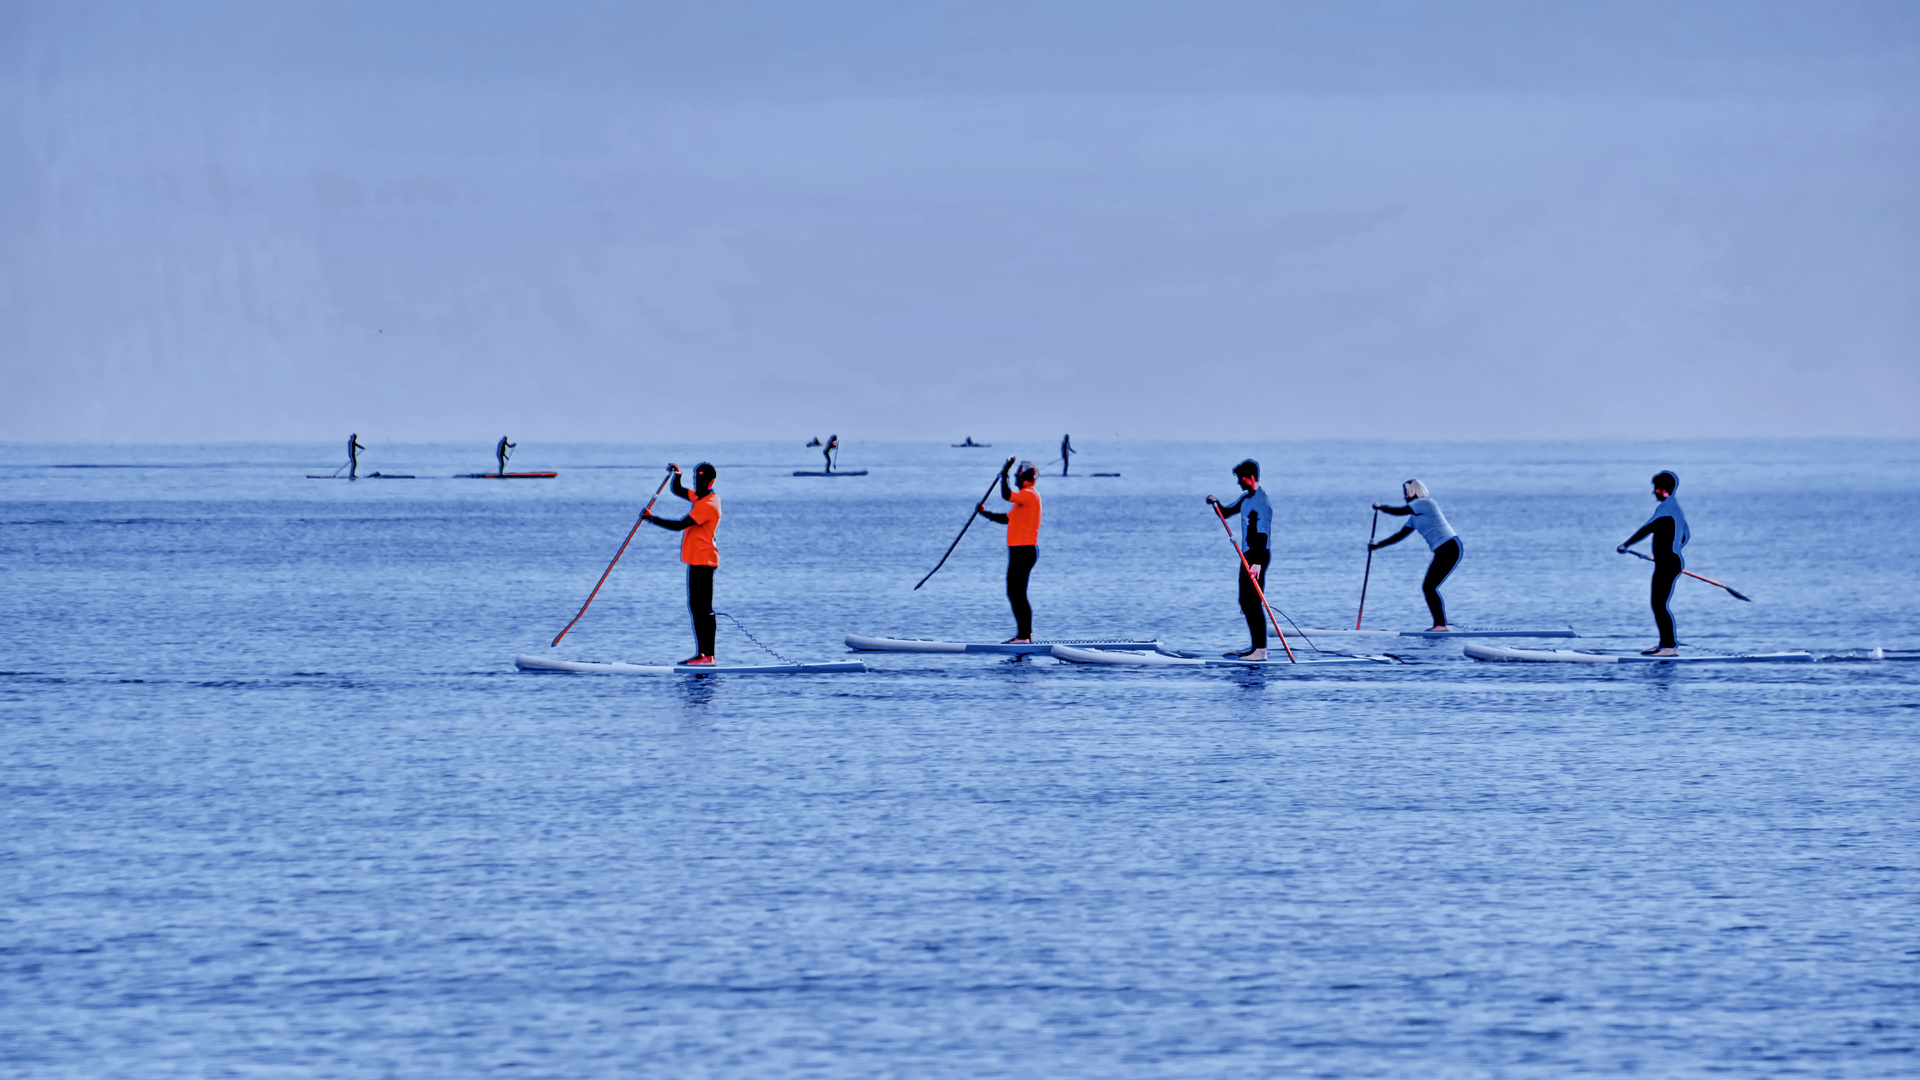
1737	594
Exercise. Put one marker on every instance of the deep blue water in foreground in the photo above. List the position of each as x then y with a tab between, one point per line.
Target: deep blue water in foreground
276	802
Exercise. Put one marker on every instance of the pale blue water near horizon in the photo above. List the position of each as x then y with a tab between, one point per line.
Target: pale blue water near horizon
277	802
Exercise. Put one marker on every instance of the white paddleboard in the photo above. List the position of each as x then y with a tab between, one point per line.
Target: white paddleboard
1565	631
541	663
1161	659
1567	656
881	644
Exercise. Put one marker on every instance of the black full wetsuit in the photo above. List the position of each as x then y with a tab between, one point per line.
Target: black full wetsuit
1259	554
1668	528
353	457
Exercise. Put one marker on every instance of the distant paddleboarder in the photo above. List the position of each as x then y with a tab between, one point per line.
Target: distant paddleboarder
1440	538
1022	520
353	456
1255	534
1668	527
832	448
500	452
1066	453
815	441
698	552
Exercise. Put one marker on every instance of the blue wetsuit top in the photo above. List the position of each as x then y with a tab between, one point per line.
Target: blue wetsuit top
1256	532
1427	518
1668	527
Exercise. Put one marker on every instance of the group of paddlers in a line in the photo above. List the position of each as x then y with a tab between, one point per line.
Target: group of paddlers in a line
1667	527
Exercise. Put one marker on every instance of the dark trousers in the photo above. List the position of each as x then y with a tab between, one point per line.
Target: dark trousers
700	606
1666	571
1020	562
1250	605
1445	558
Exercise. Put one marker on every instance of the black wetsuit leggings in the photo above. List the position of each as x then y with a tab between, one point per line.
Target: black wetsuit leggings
1250	605
1666	571
700	606
1020	562
1445	558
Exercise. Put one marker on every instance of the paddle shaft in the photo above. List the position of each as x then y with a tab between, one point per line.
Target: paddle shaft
1735	593
971	514
1255	578
616	559
1364	578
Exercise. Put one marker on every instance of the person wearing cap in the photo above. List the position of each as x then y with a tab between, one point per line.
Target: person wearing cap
1256	532
1668	528
1440	538
698	552
1022	520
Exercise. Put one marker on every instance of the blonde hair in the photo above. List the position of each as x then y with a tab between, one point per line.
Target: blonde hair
1415	489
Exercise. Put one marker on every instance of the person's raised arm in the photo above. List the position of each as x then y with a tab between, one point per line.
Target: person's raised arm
1005	491
678	488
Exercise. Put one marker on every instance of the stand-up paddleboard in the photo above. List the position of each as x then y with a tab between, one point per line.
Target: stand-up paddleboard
1163	659
369	476
541	663
971	445
881	644
1492	631
836	472
1567	656
506	476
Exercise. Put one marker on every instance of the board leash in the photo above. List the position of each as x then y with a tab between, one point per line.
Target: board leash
783	658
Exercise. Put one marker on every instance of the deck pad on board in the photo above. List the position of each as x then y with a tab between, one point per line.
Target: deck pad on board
541	663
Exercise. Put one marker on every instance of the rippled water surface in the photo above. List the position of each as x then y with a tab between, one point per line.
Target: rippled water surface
277	802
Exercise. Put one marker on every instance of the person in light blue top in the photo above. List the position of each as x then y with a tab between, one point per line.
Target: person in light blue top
1255	532
1668	528
1441	540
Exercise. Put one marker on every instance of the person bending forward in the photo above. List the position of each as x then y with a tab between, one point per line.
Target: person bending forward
1440	538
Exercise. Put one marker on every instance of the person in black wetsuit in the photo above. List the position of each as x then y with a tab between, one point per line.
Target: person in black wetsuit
1668	528
1066	453
500	452
832	447
1256	539
353	456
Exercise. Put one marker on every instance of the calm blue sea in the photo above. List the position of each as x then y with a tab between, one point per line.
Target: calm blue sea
277	803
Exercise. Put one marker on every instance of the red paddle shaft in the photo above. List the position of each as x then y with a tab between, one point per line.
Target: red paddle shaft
616	558
1255	578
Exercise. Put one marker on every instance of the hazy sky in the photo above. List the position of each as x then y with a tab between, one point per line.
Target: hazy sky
575	221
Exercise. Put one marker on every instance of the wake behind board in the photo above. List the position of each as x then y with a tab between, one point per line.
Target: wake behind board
836	472
1565	631
541	663
1567	656
1074	655
506	476
880	644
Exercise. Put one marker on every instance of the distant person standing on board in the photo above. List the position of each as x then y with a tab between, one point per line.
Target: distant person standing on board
353	456
1440	538
1255	534
832	447
1022	520
1668	527
500	452
698	552
1066	453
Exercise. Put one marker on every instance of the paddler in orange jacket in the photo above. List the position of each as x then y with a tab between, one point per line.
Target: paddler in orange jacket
697	551
1022	520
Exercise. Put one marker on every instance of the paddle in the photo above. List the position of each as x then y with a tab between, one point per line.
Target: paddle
1369	574
1256	582
1736	593
971	514
616	558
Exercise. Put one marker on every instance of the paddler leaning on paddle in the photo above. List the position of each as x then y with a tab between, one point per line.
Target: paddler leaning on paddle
1022	520
697	551
1254	536
1440	538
